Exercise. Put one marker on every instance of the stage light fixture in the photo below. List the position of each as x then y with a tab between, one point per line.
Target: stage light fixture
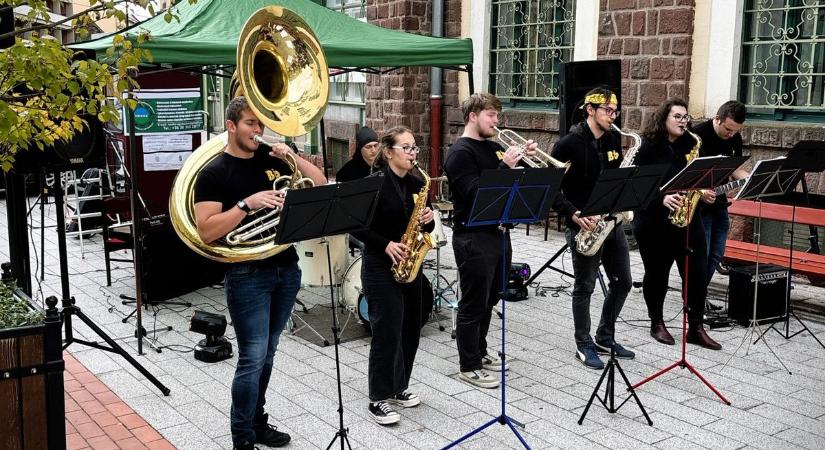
516	282
215	347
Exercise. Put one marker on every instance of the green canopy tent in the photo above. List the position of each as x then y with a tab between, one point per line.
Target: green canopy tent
207	34
205	37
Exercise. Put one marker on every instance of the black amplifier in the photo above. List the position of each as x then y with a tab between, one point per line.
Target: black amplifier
770	296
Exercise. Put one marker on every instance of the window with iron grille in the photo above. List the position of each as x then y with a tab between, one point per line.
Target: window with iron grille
530	40
782	76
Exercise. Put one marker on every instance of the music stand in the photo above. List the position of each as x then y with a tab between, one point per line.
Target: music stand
617	190
505	198
324	211
768	178
701	173
807	156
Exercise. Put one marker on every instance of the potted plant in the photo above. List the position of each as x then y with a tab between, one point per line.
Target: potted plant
31	371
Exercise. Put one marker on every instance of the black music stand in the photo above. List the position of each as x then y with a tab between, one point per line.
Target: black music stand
505	198
617	190
324	211
701	173
768	178
806	156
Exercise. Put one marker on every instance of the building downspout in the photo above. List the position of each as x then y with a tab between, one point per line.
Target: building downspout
436	98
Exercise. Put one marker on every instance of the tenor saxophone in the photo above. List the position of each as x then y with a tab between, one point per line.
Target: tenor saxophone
589	242
418	242
682	215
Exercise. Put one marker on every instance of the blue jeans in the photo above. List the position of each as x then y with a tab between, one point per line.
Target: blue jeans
717	224
260	300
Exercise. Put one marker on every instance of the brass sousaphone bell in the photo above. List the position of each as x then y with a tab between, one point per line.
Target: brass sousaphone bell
282	71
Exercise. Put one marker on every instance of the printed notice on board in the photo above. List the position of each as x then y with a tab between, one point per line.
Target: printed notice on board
165	151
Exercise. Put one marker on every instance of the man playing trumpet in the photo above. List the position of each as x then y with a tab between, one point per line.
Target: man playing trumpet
478	250
260	294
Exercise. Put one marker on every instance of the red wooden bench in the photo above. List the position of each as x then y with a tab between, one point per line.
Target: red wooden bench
745	252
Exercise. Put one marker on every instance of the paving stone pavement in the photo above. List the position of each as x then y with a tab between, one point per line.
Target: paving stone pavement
547	388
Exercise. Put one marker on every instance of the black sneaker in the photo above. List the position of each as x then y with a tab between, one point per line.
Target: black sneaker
618	351
268	434
383	413
405	399
587	355
245	446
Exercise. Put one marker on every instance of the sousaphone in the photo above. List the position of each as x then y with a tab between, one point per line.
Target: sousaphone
282	71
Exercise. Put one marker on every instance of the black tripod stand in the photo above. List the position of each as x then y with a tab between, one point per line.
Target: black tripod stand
71	309
327	211
806	156
623	189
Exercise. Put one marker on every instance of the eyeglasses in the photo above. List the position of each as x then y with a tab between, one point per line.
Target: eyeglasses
407	149
681	118
610	111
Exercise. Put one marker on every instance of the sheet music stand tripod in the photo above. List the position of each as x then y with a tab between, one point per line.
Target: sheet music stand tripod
324	211
769	178
701	173
505	198
617	190
808	156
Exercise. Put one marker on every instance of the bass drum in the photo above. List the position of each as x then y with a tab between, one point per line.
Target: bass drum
352	294
312	259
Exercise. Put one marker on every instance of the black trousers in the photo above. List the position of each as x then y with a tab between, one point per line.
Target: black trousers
397	313
661	244
478	256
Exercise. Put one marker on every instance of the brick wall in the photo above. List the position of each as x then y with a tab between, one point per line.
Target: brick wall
400	97
653	38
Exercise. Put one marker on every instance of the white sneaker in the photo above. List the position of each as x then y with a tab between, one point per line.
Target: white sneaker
480	378
493	362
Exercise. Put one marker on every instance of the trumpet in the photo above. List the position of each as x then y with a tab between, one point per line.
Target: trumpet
541	159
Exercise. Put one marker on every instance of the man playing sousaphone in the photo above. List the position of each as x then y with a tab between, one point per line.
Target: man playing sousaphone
260	294
591	148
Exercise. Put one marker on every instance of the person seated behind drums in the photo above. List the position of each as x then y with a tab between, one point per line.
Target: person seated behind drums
260	294
397	311
360	166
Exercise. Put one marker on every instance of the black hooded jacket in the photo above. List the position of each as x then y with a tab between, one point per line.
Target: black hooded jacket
588	156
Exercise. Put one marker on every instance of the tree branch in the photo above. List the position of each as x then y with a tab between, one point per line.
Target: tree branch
98	7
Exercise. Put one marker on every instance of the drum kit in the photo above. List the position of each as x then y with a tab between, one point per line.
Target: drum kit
346	275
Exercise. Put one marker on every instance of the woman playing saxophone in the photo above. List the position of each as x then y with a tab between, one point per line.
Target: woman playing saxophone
397	310
661	242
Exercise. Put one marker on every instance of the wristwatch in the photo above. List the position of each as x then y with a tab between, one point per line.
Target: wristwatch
244	207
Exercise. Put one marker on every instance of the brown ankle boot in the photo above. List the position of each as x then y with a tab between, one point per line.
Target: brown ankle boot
697	335
659	332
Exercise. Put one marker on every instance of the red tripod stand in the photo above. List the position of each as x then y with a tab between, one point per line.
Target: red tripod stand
683	362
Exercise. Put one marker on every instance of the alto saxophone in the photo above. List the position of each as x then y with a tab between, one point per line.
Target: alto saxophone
589	242
418	242
682	215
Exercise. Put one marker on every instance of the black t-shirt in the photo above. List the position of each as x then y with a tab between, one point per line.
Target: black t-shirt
227	179
588	156
466	159
713	145
663	152
392	214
